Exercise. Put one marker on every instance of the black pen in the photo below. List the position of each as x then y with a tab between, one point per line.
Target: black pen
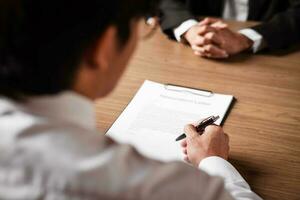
201	126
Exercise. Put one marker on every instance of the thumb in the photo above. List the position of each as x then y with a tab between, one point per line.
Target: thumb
190	131
220	25
208	21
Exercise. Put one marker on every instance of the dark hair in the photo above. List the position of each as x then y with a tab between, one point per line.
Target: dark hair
43	41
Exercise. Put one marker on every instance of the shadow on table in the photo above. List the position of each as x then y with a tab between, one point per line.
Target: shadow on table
248	170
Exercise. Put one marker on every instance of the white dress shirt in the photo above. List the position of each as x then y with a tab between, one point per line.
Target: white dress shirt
50	149
233	10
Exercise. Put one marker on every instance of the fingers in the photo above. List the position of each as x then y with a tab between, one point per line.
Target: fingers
217	130
200	41
209	45
206	29
213	22
209	21
215	51
183	143
208	41
184	150
213	129
205	35
190	131
210	51
200	51
219	25
186	159
208	38
195	35
213	37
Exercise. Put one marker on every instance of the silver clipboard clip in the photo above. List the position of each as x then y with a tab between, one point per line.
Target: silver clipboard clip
189	90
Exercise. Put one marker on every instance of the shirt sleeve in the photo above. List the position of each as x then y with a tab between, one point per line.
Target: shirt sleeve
257	39
184	27
235	184
172	14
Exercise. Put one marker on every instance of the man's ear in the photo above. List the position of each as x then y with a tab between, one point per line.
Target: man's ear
104	50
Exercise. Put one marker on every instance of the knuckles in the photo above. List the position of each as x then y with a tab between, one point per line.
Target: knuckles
203	28
188	128
213	128
209	47
210	35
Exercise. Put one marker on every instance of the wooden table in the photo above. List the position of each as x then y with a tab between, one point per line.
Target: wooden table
264	124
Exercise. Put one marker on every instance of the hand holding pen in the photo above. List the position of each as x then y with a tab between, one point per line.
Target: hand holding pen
196	147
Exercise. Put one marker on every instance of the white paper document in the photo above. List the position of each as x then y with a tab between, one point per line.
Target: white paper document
157	114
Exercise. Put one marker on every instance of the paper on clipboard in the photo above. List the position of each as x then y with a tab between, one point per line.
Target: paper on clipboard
158	113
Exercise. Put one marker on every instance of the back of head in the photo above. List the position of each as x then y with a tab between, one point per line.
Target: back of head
42	42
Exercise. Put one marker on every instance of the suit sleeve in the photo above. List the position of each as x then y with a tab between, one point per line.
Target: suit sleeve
283	29
172	14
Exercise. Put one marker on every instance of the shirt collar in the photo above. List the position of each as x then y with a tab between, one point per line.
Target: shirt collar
67	106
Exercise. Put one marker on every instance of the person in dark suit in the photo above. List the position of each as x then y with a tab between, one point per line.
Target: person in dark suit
212	38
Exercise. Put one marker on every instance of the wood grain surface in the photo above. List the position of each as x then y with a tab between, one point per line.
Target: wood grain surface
264	124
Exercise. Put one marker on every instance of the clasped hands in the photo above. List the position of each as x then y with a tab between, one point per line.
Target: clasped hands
211	38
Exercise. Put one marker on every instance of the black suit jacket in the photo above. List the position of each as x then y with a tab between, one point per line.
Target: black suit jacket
280	25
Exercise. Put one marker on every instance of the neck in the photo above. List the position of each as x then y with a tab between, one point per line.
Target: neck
86	84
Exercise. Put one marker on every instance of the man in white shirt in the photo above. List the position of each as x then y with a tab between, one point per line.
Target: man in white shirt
55	60
211	38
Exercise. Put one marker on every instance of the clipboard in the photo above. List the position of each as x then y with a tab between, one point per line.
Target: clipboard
157	114
191	90
204	93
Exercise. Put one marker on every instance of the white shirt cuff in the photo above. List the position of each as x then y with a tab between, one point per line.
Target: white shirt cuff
217	166
255	37
184	27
